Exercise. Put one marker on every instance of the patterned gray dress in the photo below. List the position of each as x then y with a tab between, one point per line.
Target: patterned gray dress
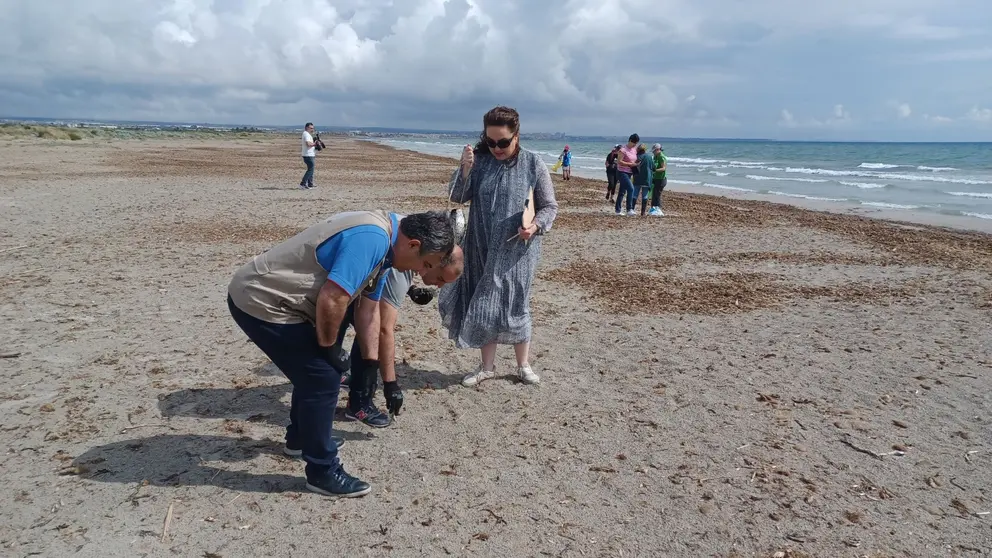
490	302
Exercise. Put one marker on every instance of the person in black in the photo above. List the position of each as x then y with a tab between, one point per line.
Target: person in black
611	172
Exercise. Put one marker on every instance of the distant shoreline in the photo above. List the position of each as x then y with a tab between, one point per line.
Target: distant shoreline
385	131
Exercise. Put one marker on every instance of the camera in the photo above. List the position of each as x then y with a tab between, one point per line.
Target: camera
318	143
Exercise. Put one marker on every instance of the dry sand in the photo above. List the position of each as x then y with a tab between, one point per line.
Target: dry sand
740	379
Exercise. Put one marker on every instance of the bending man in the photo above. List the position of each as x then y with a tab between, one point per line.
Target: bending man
365	371
290	301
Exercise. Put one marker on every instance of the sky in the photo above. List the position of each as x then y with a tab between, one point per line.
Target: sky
914	70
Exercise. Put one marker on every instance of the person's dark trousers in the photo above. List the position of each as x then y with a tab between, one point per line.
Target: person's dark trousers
294	349
611	183
364	382
659	187
308	176
625	186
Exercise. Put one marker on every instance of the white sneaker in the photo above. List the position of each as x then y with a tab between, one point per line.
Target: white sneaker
478	376
527	375
622	212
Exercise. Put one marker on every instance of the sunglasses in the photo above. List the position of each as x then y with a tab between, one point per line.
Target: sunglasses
502	144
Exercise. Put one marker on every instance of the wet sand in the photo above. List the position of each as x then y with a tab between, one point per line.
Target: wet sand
738	379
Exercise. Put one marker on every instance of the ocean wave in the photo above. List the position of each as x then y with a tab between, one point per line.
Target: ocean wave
718	173
785	179
935	169
695	165
864	185
889	205
978	215
816	198
877	166
685	182
730	162
888	176
985	195
695	160
724	187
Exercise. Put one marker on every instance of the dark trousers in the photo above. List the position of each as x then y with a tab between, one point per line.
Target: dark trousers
626	186
659	186
611	182
308	176
294	349
363	384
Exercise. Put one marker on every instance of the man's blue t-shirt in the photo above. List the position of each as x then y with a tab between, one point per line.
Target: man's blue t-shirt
352	254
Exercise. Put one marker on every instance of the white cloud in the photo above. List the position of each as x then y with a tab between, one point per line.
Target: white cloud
787	120
573	65
902	110
980	114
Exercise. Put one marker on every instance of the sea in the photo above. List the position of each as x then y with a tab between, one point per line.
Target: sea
953	179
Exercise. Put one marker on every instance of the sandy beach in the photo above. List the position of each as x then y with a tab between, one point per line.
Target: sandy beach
738	379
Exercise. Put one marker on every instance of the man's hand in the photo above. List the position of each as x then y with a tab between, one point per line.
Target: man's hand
421	295
339	359
394	397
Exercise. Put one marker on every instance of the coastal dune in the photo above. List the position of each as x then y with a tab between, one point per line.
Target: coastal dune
740	378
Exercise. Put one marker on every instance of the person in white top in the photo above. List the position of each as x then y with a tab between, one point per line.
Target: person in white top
309	155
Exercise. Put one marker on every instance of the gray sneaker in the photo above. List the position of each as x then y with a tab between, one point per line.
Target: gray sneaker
478	376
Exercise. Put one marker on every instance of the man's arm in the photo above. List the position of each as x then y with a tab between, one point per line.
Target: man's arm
367	327
332	304
387	342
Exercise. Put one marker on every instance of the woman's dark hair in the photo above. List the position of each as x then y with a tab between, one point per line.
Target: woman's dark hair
498	116
634	138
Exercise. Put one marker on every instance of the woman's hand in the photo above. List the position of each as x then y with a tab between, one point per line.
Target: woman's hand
528	233
468	159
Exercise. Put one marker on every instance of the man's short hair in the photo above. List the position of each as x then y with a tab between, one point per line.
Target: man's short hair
434	230
308	124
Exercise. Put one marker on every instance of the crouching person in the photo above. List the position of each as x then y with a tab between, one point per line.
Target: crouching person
290	301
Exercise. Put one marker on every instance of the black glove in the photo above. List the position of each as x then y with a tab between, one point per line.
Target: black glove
394	396
420	295
339	359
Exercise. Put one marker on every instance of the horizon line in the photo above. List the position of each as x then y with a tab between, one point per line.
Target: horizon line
563	135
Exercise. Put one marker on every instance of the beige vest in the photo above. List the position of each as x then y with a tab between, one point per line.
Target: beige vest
280	286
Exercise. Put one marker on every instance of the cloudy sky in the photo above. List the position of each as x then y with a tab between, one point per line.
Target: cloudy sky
787	69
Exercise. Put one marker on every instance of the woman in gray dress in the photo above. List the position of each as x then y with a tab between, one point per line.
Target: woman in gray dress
490	303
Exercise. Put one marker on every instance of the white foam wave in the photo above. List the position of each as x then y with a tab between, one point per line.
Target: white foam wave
816	198
685	182
890	205
935	169
694	160
724	187
888	176
718	173
729	162
877	166
864	185
978	215
694	165
986	195
785	179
